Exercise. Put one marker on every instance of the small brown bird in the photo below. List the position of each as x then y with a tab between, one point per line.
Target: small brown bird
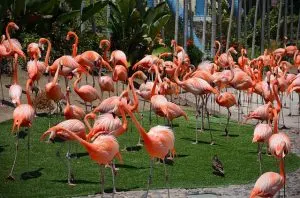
218	166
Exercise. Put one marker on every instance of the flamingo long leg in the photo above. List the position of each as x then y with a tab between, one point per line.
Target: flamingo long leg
259	147
166	178
149	178
10	176
228	117
207	113
113	178
68	156
196	116
102	180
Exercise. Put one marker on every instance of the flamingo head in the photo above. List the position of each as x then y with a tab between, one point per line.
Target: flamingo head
232	50
70	34
13	25
68	89
280	150
16	124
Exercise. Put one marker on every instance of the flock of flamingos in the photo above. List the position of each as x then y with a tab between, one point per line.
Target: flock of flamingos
168	77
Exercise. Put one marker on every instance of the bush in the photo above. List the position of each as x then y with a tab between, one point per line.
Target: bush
194	53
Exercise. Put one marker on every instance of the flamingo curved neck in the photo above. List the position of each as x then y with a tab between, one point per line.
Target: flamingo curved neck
28	84
282	169
141	130
76	88
8	35
15	69
49	47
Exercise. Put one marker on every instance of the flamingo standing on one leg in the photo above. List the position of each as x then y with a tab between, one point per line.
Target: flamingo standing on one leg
23	116
262	133
159	141
120	73
227	100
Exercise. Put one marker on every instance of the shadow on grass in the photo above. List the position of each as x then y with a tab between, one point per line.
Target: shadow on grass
133	148
79	155
77	181
22	134
110	190
199	141
204	130
128	166
31	174
2	148
230	135
218	174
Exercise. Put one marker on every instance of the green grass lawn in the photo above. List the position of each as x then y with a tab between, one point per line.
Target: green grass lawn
191	168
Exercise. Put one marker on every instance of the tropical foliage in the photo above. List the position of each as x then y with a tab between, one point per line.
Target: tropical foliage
134	26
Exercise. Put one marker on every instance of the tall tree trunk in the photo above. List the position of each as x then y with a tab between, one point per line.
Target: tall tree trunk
298	27
254	30
239	21
107	21
213	27
285	17
176	21
279	21
220	18
245	22
268	22
229	27
185	24
191	19
81	9
262	33
292	20
93	19
204	26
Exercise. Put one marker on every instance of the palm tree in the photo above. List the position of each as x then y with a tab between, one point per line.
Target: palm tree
254	30
220	17
292	19
239	20
230	23
268	22
262	33
204	26
176	21
185	24
279	21
191	19
213	27
285	17
245	22
298	27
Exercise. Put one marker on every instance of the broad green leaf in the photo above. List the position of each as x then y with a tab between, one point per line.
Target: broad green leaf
157	25
65	17
90	10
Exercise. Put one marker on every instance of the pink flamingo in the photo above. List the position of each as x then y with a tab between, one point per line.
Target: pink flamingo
23	116
269	183
15	90
77	127
86	92
262	133
106	83
227	100
103	150
196	86
118	57
120	73
72	111
159	141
